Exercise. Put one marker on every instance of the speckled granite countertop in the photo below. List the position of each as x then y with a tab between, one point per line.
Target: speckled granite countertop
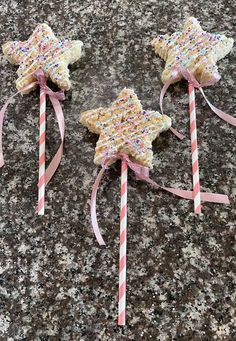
56	283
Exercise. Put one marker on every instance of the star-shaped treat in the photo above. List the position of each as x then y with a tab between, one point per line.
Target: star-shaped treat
197	51
125	127
43	51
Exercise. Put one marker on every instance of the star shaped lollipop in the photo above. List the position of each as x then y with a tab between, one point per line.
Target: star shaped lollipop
40	57
192	54
43	51
125	127
195	49
126	130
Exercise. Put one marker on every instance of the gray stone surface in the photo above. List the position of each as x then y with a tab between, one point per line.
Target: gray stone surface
56	283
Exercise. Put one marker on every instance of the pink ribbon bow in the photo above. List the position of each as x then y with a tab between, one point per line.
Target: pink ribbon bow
192	80
142	173
55	98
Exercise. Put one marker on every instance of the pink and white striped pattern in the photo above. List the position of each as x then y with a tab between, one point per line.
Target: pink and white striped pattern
42	143
194	147
123	245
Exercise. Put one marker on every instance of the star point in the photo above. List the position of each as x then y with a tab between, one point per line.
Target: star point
125	127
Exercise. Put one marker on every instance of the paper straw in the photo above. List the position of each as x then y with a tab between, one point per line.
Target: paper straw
123	245
42	141
194	147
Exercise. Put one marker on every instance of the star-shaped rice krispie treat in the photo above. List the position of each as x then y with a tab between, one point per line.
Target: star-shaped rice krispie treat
126	128
194	49
43	51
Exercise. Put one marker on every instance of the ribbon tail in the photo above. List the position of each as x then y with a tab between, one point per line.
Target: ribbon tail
207	197
215	197
189	195
162	94
93	212
51	169
227	118
176	133
184	194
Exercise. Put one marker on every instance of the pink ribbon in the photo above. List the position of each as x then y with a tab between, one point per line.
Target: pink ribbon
163	91
55	98
191	79
142	173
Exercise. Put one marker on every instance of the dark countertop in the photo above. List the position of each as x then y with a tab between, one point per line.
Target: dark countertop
56	282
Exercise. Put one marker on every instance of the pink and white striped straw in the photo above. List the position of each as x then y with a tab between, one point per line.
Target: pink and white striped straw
123	245
42	143
194	147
